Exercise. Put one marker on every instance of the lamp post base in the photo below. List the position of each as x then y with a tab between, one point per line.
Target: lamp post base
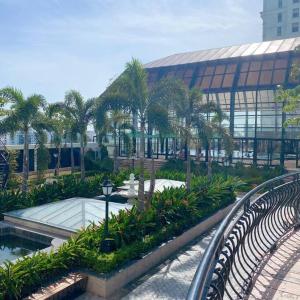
107	245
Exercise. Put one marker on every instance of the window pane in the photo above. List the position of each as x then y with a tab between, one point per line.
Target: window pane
279	76
231	68
220	69
252	78
205	84
265	77
209	70
268	65
187	81
242	79
189	73
198	81
217	81
228	80
255	66
245	67
281	63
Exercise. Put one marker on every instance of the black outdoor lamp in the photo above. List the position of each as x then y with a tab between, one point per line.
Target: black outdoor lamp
107	244
56	162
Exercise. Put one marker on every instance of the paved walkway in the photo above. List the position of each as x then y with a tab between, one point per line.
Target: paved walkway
279	277
171	280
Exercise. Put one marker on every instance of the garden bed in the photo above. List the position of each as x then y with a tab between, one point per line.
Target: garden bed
106	286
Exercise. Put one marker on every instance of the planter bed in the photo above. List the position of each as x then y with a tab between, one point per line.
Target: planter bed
106	286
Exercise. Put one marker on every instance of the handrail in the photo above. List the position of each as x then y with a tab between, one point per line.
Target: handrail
233	256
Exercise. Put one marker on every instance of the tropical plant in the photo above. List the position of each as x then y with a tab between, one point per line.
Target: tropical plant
57	118
209	129
81	113
130	92
114	122
136	233
191	111
24	114
43	156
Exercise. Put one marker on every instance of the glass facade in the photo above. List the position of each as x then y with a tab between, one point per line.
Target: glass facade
245	88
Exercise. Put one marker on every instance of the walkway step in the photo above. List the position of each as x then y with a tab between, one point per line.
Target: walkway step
65	288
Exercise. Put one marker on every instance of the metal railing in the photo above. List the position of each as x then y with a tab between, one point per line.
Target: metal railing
250	231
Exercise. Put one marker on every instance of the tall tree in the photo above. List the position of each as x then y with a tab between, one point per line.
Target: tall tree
112	122
130	91
58	121
23	114
209	129
82	113
191	111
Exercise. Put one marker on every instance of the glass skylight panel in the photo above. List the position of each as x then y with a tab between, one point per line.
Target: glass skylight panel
71	214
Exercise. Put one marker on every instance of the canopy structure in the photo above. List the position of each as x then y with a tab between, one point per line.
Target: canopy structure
243	81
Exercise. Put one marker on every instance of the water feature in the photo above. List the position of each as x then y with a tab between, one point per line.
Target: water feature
13	247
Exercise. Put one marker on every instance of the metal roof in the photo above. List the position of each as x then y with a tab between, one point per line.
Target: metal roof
269	47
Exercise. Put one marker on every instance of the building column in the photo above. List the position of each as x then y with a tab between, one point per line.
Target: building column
255	132
231	119
282	148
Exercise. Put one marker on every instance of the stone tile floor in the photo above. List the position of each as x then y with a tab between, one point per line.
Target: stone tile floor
171	280
279	276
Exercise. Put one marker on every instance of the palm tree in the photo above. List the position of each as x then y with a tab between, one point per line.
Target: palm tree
207	130
112	121
81	113
2	111
24	114
130	92
191	111
58	122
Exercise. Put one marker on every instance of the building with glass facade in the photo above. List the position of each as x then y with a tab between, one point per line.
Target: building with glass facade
281	19
243	80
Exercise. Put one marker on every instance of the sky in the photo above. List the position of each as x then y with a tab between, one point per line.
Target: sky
52	46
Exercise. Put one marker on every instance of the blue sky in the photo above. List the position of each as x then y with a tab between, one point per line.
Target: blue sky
51	46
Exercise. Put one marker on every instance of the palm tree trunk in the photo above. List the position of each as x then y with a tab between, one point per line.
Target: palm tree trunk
115	154
141	193
72	157
25	162
209	162
58	161
188	167
152	181
82	167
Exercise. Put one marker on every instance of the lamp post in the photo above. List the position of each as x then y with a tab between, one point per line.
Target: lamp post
107	244
56	162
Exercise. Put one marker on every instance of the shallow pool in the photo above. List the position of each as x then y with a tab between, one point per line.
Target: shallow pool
13	247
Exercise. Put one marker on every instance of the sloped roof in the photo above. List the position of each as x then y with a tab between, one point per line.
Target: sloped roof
228	52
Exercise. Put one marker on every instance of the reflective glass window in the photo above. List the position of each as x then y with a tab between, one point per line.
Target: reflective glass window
255	66
265	77
205	84
242	79
252	78
220	69
209	70
228	80
279	76
268	65
217	81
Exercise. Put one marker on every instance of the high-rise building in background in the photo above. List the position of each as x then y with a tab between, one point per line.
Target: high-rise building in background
281	19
